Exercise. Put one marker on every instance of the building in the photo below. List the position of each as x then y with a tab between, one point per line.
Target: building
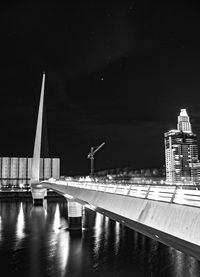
16	171
181	152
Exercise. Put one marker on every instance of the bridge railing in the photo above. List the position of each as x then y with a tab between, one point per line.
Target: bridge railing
179	194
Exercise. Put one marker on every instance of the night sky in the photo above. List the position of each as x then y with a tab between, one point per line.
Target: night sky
116	71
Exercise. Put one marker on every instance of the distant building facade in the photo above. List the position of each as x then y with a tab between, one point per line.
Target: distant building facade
16	171
181	152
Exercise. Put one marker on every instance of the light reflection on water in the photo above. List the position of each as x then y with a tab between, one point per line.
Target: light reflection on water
59	242
35	241
98	230
183	264
117	237
0	229
20	224
57	219
106	232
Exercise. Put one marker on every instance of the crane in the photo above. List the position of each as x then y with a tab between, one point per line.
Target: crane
90	156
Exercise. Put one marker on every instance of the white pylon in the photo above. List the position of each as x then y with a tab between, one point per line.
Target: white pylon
35	169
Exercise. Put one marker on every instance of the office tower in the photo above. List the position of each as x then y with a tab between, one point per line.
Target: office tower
181	152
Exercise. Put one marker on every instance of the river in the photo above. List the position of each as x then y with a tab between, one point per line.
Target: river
35	241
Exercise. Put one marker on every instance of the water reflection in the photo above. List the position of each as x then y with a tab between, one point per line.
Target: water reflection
105	248
153	254
179	261
98	233
193	266
20	224
106	232
0	229
58	242
76	262
37	240
56	222
117	237
183	265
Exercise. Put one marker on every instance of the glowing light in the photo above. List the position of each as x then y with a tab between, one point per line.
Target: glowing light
98	233
117	237
88	179
183	112
90	206
56	223
51	179
179	197
138	191
68	196
106	232
20	223
20	227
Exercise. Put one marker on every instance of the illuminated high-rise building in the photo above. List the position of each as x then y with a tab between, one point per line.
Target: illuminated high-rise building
181	152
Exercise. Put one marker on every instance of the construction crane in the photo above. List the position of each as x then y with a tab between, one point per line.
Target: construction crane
90	156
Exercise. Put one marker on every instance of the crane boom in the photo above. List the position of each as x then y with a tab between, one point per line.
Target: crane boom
98	147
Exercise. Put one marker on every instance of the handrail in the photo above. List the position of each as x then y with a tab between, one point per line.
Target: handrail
179	194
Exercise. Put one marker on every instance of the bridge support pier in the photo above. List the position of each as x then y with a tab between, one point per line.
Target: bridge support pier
38	195
74	215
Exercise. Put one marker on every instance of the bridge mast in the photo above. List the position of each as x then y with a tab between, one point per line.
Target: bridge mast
35	170
37	192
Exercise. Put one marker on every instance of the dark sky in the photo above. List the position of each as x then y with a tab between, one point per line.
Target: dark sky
116	71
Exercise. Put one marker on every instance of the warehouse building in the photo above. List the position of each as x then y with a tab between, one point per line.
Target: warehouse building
16	171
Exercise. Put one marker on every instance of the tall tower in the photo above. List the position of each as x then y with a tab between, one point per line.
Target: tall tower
181	152
184	122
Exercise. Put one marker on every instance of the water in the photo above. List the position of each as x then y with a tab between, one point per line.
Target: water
34	241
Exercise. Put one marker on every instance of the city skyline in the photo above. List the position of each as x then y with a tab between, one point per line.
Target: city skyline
113	74
100	137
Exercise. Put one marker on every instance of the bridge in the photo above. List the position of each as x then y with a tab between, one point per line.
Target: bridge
169	214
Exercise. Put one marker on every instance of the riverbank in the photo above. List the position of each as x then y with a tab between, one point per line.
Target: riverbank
19	194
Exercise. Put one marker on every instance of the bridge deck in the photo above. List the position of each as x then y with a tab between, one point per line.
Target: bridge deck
168	214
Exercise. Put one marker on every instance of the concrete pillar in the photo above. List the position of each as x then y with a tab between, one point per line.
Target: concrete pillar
74	215
38	196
